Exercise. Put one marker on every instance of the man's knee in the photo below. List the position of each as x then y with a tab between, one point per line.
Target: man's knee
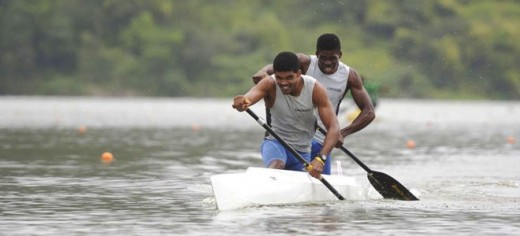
277	164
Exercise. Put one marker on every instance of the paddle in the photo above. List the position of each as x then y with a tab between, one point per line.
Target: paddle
296	154
387	186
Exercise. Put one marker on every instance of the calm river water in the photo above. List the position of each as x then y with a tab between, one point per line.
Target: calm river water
465	168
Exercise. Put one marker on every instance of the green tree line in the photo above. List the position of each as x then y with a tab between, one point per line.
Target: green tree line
449	49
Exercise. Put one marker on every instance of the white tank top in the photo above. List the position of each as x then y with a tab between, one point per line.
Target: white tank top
292	118
336	85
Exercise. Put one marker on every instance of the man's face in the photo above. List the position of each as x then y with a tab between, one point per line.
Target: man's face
328	61
287	81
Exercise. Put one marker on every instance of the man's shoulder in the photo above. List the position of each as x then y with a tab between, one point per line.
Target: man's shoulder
310	81
343	71
304	57
343	64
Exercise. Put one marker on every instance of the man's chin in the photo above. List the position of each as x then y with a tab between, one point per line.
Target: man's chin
328	71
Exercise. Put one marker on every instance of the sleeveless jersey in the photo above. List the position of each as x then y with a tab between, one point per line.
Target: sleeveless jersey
336	85
292	118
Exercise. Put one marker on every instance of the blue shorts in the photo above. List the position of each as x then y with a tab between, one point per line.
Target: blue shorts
274	150
316	148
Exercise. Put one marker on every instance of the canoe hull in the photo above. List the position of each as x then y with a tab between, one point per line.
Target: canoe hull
263	186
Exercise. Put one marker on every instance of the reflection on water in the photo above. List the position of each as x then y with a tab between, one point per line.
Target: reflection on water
53	182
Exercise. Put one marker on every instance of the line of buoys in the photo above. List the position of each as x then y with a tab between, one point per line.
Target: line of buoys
410	143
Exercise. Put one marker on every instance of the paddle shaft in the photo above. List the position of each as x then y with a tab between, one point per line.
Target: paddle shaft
345	150
387	186
295	154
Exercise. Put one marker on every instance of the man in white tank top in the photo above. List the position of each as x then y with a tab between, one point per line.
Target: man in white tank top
338	79
294	100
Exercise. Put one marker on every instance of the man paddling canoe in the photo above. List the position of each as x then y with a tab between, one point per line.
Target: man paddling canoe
292	99
338	78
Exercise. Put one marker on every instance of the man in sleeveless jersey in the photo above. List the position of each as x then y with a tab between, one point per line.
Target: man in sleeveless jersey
293	100
338	78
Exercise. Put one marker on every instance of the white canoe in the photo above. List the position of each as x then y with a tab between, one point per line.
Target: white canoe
263	186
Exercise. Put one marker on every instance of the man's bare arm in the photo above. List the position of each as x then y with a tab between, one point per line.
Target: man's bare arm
263	90
327	116
362	100
262	73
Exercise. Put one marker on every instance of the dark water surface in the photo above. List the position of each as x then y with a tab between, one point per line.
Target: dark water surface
464	168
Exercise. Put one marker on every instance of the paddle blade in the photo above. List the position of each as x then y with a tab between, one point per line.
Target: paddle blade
389	188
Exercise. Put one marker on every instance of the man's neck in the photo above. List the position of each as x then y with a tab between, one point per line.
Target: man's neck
298	88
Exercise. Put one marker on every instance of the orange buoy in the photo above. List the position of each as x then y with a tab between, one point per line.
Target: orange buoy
511	139
82	129
107	157
195	127
410	144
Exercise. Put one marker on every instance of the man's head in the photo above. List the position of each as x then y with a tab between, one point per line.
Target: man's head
328	51
286	61
328	42
286	67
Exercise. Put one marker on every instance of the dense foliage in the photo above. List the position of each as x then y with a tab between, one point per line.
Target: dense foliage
413	48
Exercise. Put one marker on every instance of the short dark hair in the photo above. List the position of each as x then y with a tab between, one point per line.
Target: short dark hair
286	61
328	42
